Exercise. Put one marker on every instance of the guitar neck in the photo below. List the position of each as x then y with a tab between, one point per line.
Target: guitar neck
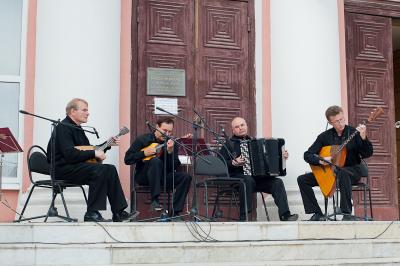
107	143
341	147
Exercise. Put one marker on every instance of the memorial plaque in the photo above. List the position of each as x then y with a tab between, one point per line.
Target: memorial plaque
165	81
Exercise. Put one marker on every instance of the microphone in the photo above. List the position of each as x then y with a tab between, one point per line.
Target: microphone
24	112
223	132
96	133
149	125
228	143
397	124
161	109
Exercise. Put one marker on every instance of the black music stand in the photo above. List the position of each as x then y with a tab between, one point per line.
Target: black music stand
8	144
187	142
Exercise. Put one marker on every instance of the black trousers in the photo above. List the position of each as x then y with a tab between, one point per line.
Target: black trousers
153	175
103	183
268	184
344	181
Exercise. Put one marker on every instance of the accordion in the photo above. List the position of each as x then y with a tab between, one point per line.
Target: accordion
266	156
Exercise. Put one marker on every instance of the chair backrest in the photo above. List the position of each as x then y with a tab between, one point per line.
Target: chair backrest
212	164
37	161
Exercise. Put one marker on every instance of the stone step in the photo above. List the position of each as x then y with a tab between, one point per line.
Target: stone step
192	231
283	252
249	243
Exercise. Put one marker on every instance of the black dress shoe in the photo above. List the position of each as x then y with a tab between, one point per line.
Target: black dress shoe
317	217
124	216
349	217
156	206
289	217
93	216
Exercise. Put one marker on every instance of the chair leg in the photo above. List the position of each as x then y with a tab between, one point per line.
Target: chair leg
237	202
216	205
84	194
265	206
206	197
370	202
23	210
65	205
365	203
26	204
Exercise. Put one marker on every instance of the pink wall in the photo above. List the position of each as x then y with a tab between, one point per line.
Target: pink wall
266	70
125	90
342	47
11	196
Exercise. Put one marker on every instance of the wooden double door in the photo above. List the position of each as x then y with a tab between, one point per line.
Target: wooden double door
213	41
370	78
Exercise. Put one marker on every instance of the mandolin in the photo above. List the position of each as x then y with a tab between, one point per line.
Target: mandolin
159	147
124	130
324	174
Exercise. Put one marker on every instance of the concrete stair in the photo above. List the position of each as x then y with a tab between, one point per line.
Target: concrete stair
248	243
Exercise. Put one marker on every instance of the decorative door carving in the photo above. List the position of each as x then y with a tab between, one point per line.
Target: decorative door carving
370	84
213	40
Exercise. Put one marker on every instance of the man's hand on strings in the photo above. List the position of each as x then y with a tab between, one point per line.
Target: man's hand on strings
363	131
115	141
170	146
149	151
329	159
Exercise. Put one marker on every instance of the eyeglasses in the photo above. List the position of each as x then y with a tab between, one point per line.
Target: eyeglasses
339	121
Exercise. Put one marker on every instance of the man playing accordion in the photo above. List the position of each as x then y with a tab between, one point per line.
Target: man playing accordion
238	169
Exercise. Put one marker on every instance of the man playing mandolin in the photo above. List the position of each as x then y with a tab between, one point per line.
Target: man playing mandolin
147	153
358	146
72	166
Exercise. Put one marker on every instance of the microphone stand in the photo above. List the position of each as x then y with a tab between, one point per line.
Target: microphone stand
195	127
336	208
52	212
164	214
216	135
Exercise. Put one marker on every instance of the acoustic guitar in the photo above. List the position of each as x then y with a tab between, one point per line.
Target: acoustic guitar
124	130
159	147
325	174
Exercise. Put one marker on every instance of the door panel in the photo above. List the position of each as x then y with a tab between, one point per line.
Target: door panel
210	39
370	81
223	90
165	38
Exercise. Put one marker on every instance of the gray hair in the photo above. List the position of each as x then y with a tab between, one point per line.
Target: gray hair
73	104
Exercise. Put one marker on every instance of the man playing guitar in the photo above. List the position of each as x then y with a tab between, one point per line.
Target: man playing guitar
359	147
71	165
144	152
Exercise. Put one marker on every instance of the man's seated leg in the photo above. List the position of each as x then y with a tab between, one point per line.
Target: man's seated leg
182	183
89	174
155	174
105	183
250	185
276	188
306	182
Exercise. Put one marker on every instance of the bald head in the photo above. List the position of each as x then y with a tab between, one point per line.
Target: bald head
239	127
